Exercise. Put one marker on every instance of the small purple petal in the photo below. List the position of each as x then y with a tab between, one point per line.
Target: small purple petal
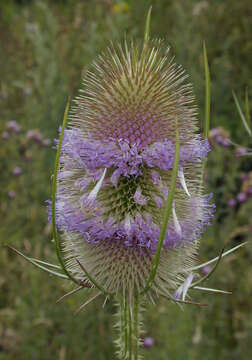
17	171
231	203
5	135
206	270
241	197
139	198
13	126
12	194
148	342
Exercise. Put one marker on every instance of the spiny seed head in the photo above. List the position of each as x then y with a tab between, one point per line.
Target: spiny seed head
116	163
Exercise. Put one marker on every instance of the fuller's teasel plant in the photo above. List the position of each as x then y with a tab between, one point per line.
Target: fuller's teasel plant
128	186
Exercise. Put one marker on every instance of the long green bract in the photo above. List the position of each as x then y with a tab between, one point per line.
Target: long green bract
54	193
91	279
210	273
217	257
32	261
147	26
167	213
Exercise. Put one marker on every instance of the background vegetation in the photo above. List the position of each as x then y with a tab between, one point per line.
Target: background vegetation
46	46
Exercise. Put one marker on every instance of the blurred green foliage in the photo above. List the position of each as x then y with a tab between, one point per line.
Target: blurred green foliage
46	48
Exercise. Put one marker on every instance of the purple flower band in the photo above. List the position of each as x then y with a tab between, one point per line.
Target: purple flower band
127	159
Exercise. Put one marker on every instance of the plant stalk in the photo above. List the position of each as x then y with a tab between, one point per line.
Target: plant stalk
129	325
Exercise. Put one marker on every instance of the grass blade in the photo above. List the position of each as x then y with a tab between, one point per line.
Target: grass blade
207	93
242	116
147	26
247	108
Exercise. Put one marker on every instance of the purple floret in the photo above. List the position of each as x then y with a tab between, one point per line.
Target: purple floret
127	159
142	231
122	159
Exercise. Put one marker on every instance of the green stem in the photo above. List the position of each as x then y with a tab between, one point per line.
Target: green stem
136	325
130	325
129	315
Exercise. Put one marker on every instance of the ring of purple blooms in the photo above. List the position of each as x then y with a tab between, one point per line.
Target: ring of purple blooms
113	163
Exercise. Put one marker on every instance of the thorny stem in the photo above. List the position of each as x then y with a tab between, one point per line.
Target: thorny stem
130	323
129	314
136	325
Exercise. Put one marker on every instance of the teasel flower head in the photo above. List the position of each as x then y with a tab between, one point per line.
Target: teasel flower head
127	192
116	165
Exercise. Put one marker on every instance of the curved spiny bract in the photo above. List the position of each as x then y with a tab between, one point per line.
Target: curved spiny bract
115	172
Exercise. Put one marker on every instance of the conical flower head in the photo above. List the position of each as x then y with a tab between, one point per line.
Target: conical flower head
116	164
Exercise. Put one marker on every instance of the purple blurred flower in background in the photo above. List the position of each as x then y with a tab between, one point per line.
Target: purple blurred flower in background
17	171
27	91
148	342
240	151
220	136
231	203
5	135
244	176
241	197
46	142
12	126
206	270
12	194
35	136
